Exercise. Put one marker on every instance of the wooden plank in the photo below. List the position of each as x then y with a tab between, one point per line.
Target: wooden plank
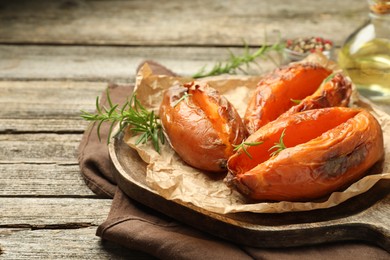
38	213
47	99
46	106
18	180
39	148
175	22
71	62
61	244
16	125
107	64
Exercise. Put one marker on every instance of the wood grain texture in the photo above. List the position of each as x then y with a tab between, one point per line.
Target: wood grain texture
57	56
39	148
53	212
39	125
17	243
46	106
42	180
109	64
175	22
47	99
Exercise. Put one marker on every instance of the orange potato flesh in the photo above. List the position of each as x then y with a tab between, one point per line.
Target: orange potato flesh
326	150
202	127
335	92
211	110
274	94
298	129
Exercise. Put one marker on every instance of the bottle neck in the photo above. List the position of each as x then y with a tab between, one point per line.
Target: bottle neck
380	17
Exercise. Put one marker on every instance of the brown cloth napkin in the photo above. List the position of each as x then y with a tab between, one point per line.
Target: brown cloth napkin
138	227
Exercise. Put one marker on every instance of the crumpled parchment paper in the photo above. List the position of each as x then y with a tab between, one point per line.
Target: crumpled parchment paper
173	179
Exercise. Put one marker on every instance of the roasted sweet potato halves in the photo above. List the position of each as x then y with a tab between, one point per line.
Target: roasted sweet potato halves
317	152
279	90
201	125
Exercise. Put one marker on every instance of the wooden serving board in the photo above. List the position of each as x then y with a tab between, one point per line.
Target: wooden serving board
364	217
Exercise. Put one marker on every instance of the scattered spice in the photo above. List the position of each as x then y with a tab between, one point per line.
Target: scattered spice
310	44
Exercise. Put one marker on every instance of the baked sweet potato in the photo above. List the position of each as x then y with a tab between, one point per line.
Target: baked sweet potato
201	125
276	92
326	149
335	91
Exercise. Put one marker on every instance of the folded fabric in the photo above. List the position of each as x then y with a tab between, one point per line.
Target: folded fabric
138	227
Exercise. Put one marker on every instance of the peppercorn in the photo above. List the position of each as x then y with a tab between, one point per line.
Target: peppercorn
309	44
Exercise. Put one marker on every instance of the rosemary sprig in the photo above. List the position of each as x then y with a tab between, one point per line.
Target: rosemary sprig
184	97
328	78
280	146
243	145
133	114
296	101
236	62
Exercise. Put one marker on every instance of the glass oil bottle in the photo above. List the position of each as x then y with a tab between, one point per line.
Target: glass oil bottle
365	55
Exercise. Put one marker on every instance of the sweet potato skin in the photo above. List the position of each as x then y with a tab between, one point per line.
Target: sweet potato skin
314	166
274	94
202	127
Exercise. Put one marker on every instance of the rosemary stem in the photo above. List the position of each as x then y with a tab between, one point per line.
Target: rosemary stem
236	62
140	121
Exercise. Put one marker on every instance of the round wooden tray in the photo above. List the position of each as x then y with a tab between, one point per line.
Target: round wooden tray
364	217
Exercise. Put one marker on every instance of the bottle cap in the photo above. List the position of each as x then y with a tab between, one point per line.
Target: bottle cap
379	6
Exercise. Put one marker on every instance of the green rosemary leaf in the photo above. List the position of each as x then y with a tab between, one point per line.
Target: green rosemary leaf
87	116
98	130
138	106
97	105
138	129
151	119
110	132
108	98
111	111
105	109
296	101
155	141
161	136
142	139
124	107
184	97
243	146
328	78
235	62
132	114
280	146
200	72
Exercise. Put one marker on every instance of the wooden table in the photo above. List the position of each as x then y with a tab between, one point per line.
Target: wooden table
57	56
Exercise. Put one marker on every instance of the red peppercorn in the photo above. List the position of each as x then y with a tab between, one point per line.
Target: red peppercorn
310	44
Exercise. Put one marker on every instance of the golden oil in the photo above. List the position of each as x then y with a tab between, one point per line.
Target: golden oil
365	56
